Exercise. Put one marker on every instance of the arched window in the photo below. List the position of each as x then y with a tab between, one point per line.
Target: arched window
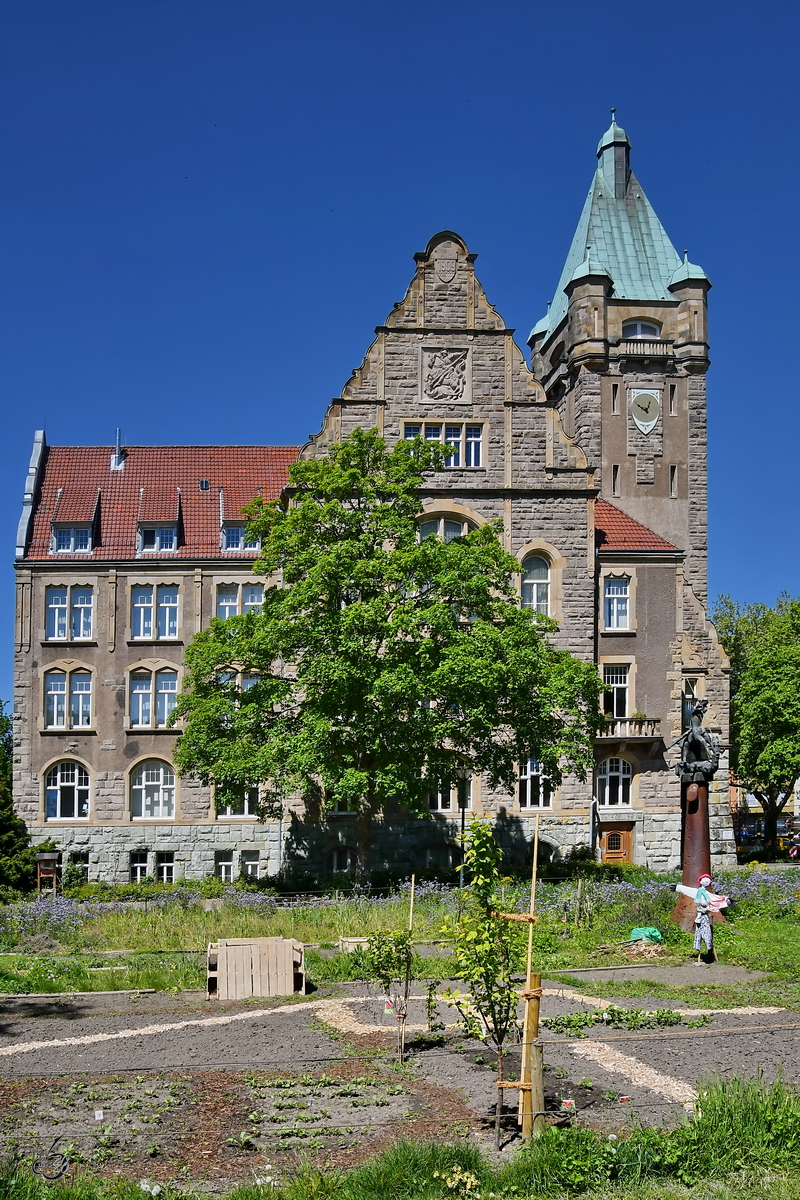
614	783
640	329
66	792
445	527
67	699
536	584
153	791
152	698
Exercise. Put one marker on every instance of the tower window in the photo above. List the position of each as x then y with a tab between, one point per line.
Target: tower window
615	479
640	329
673	482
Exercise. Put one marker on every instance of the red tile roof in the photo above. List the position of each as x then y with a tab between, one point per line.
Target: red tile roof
617	531
157	483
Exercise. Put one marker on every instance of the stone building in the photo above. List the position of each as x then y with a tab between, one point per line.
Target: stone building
593	458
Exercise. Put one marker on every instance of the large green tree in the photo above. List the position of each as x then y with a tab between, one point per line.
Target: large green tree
764	648
383	661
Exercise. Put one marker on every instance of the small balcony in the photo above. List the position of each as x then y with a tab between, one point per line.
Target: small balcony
641	733
642	348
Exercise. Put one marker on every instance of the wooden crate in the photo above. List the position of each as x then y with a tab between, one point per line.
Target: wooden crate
243	967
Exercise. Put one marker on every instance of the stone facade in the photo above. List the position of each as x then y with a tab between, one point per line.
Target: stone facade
583	491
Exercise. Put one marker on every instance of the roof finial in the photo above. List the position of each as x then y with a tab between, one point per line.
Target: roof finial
613	116
686	256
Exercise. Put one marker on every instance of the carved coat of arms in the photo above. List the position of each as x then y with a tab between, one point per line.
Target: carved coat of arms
446	374
445	266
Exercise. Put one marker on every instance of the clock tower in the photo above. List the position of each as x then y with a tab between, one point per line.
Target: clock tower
623	353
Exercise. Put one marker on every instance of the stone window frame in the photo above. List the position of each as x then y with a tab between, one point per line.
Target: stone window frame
154	582
544	549
231	579
176	808
68	666
75	577
64	756
623	660
447	508
617	571
153	666
547	795
614	809
70	582
478	423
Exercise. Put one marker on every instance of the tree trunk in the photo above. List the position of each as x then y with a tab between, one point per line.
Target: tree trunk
364	838
772	810
498	1109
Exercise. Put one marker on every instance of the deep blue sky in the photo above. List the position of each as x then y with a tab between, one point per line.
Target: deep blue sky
206	207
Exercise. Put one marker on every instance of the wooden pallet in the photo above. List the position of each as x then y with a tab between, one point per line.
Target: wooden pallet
242	967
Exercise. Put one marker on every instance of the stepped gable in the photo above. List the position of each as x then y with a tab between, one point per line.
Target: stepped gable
154	483
617	531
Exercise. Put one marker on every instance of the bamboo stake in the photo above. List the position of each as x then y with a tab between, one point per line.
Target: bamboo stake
531	1098
405	998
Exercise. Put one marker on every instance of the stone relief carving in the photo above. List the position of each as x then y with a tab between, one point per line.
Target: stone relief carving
445	374
445	264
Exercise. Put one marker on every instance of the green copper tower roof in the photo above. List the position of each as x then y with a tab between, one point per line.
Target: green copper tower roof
619	233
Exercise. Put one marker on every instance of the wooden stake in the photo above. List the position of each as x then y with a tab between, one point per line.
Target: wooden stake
531	1097
405	997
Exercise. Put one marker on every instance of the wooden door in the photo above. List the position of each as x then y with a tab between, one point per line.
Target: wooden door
616	843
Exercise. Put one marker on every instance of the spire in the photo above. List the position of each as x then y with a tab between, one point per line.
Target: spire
614	153
618	235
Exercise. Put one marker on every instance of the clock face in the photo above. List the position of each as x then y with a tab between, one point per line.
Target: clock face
645	407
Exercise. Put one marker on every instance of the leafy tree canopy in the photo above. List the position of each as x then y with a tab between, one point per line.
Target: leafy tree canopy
764	648
382	661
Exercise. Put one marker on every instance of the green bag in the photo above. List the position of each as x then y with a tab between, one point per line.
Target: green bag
645	933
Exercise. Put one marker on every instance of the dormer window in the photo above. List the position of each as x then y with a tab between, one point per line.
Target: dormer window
236	537
640	329
157	539
72	539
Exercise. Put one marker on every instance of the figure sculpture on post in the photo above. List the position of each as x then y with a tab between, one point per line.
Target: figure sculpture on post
697	766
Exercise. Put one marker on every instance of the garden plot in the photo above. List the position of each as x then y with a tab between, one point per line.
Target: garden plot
119	1120
323	1111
